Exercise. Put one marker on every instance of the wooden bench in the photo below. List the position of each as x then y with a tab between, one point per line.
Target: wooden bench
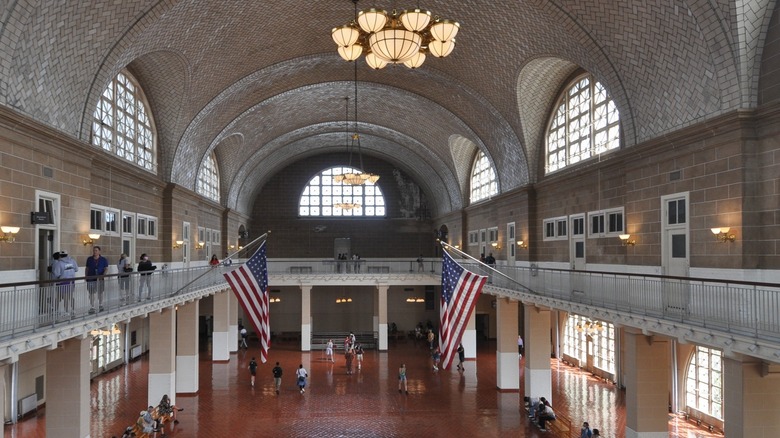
138	427
561	426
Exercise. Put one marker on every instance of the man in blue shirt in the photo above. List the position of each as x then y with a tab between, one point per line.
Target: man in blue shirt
97	267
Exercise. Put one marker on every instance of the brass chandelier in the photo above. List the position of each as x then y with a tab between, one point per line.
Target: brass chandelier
406	37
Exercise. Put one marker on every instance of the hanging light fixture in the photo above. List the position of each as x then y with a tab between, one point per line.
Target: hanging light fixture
395	38
590	327
355	177
342	178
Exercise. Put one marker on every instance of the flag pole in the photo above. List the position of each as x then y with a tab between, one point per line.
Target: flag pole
446	246
229	256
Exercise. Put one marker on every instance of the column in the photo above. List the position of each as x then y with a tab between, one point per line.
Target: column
67	389
381	302
751	390
538	377
233	340
469	339
162	355
187	348
507	359
220	338
648	374
305	317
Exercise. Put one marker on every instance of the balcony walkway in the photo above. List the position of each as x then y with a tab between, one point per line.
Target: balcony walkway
365	404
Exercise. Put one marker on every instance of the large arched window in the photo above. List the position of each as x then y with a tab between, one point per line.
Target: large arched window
122	123
324	197
483	179
208	178
583	337
586	123
704	383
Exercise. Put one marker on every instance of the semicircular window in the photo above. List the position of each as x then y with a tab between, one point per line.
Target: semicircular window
322	196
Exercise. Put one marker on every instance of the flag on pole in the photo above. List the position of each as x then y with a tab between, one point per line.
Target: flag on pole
250	284
459	292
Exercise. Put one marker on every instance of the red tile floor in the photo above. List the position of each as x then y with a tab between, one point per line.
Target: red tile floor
365	404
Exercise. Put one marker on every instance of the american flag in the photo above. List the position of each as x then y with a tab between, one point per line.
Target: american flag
459	292
250	284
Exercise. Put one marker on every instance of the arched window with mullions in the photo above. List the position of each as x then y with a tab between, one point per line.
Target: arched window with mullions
322	196
122	123
208	178
704	382
483	179
585	123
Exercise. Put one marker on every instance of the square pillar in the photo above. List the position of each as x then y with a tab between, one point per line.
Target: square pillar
751	392
381	302
306	318
233	323
67	389
507	359
187	348
538	376
648	374
469	339
220	338
162	355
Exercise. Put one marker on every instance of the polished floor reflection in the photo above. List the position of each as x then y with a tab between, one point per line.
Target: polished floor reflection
364	404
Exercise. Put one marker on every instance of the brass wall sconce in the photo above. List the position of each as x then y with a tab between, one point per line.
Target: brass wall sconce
722	234
274	300
415	300
495	245
91	239
626	240
9	234
522	244
343	300
178	244
232	246
201	245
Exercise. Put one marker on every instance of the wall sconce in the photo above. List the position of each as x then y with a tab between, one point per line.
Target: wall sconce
343	300
626	239
722	234
495	245
415	300
91	239
9	234
522	244
274	300
201	245
178	244
232	246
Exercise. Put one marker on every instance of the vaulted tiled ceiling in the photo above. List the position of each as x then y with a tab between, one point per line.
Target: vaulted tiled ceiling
260	83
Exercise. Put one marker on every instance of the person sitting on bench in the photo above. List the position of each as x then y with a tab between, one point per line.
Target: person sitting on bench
546	414
165	408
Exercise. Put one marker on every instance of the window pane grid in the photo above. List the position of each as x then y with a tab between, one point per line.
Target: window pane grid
483	179
320	196
208	178
121	123
704	382
585	124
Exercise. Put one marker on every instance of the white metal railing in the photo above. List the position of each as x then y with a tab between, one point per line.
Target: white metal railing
745	308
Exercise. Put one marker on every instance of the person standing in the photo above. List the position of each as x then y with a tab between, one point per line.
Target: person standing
461	357
359	355
520	345
436	358
253	371
277	371
65	269
329	350
96	268
302	375
214	260
431	338
402	379
146	267
420	264
124	267
585	431
349	355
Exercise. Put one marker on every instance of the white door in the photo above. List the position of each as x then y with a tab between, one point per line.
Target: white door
511	246
675	251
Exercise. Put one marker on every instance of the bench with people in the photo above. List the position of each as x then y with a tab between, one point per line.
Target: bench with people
153	419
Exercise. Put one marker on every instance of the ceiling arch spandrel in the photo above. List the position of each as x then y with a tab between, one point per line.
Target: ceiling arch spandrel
229	160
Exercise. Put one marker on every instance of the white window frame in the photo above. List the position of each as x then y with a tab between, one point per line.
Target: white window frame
605	216
100	221
492	234
117	214
557	232
573	229
474	238
143	232
201	235
130	217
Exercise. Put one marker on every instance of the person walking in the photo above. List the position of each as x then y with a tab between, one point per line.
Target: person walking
436	358
244	334
329	350
520	345
461	357
145	266
349	355
253	371
359	355
585	431
96	268
302	375
277	371
402	379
